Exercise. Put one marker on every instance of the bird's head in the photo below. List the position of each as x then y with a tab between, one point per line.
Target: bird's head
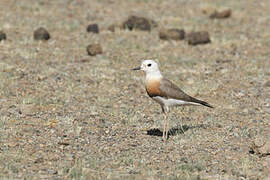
148	66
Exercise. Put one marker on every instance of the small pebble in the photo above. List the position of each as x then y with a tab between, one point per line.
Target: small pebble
3	36
201	37
221	15
41	34
94	49
139	23
175	34
267	84
93	28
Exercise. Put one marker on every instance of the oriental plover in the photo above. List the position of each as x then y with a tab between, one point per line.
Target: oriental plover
164	92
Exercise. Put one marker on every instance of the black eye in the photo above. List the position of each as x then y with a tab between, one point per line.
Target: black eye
149	65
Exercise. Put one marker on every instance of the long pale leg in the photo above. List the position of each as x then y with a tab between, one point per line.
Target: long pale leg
164	123
164	127
182	111
167	127
168	123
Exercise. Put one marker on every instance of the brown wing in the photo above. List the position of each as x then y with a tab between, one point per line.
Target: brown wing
170	90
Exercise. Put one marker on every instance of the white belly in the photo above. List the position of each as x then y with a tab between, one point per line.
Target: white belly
172	102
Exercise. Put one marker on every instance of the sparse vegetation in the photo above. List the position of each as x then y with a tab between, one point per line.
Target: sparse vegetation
67	115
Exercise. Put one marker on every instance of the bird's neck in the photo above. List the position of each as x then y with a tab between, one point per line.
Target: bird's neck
153	75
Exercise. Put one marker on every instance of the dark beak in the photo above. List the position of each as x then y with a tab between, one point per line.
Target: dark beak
136	69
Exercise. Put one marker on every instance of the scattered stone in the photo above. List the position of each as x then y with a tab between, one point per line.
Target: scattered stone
93	28
207	10
84	60
195	38
267	84
175	34
140	23
111	28
94	49
64	143
39	160
41	77
3	36
221	15
28	110
260	147
52	171
221	61
41	34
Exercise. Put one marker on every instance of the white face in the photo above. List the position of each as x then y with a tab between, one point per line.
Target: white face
149	66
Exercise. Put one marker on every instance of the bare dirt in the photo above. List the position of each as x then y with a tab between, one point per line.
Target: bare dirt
67	115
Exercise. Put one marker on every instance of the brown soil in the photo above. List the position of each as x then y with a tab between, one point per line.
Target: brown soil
67	115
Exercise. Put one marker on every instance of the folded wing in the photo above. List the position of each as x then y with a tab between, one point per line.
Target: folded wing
170	90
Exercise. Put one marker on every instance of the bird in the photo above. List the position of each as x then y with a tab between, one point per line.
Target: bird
165	92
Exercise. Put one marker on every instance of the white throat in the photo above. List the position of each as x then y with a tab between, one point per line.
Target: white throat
153	75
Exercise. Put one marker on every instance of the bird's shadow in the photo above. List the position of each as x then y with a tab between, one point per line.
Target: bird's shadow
180	129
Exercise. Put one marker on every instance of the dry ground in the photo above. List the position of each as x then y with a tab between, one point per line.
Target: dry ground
66	115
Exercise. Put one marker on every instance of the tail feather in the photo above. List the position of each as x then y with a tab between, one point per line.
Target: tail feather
202	102
206	104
